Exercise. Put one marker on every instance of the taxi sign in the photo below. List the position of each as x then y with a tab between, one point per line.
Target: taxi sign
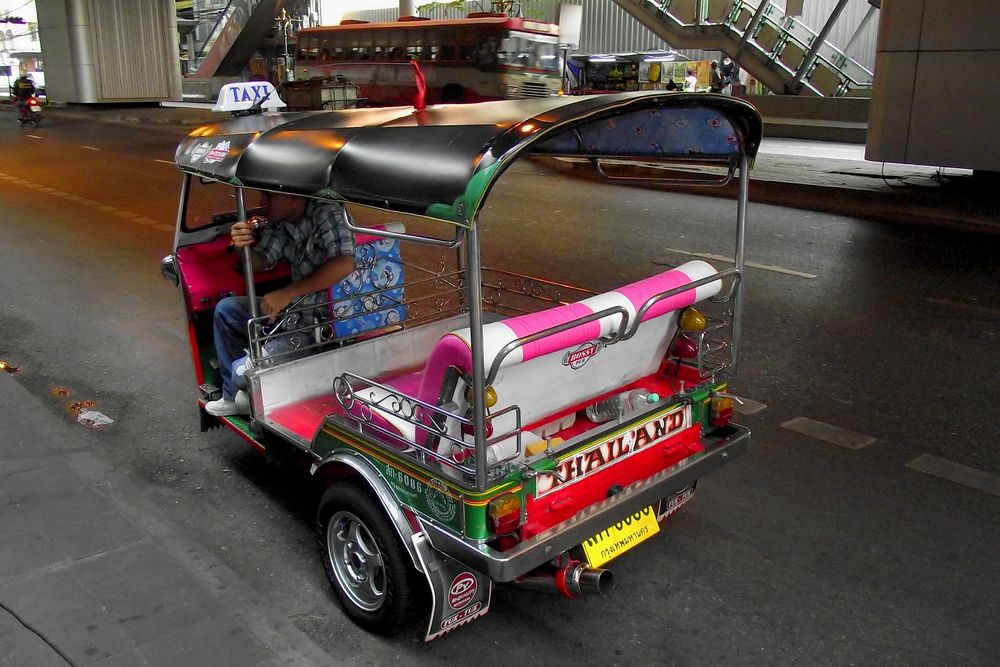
244	95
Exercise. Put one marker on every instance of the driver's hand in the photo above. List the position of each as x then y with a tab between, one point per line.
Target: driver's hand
241	234
273	303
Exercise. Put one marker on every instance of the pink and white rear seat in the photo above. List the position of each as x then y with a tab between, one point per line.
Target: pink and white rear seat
546	376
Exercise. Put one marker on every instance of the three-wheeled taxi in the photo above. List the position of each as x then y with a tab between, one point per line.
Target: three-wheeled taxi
472	425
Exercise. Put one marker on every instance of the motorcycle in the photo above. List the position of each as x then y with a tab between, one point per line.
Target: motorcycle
30	112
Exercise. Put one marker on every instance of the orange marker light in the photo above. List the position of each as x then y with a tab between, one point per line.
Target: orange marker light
692	321
504	514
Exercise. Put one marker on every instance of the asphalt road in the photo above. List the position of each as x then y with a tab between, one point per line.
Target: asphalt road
803	551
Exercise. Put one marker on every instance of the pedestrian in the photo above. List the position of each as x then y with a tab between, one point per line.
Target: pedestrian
314	239
690	82
715	78
730	75
672	85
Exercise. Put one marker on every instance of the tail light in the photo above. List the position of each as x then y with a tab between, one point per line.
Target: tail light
721	410
684	348
504	514
691	324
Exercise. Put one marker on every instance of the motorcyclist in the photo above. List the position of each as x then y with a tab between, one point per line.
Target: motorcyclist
22	89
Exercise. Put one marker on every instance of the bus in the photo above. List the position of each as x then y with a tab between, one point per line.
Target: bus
475	59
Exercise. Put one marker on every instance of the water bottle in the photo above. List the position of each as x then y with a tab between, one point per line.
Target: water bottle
620	405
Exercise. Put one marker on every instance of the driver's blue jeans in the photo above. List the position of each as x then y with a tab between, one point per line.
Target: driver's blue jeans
231	339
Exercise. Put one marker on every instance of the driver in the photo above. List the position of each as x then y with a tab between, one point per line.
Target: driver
313	237
22	88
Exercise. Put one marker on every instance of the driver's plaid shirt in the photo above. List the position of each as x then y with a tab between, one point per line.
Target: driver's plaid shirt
320	235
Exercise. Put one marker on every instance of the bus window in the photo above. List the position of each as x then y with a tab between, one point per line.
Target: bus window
309	49
486	53
522	52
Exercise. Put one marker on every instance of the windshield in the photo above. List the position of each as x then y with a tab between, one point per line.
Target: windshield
527	51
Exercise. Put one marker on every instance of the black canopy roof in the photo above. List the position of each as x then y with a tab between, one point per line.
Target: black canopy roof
441	161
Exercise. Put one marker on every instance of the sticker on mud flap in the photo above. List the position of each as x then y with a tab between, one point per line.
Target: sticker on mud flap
458	595
200	150
218	152
462	591
575	359
439	500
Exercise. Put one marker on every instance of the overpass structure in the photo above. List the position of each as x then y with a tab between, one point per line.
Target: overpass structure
778	50
236	31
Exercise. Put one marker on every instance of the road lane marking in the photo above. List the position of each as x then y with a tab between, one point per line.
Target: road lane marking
828	433
34	136
104	208
92	148
765	267
956	472
170	162
748	407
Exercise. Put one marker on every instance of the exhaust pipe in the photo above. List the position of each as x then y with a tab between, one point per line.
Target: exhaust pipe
570	581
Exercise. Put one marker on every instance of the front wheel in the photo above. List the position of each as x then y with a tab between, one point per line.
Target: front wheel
370	570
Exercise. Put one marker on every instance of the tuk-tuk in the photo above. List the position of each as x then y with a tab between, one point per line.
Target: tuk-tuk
473	425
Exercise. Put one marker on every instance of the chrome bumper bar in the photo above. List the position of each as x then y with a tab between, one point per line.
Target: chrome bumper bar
508	565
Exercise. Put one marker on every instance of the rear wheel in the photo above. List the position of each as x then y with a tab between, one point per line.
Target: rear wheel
452	92
370	570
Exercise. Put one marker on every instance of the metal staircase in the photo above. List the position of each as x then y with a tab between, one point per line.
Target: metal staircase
237	31
778	50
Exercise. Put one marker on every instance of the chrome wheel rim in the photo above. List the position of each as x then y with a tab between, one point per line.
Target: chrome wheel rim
356	561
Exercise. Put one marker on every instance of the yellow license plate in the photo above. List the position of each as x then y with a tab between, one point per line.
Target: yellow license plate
619	538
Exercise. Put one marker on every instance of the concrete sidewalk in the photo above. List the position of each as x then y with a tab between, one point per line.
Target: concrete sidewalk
93	573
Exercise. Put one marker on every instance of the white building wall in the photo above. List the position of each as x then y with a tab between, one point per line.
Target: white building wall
933	101
110	50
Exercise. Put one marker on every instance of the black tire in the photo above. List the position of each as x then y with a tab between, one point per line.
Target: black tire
369	568
452	93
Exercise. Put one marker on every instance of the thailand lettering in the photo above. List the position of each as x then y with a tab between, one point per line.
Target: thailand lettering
612	451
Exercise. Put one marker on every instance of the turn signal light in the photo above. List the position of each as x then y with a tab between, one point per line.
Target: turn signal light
692	321
489	398
504	514
722	410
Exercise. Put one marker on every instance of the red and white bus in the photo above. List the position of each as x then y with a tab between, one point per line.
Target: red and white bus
482	57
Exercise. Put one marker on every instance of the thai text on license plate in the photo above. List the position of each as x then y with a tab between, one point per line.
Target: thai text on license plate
622	536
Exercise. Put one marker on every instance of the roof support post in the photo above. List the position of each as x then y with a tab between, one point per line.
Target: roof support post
758	16
817	44
475	277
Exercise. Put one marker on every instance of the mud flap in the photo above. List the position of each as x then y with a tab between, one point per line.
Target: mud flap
459	594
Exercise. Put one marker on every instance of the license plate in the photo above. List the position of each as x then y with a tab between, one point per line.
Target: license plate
622	536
